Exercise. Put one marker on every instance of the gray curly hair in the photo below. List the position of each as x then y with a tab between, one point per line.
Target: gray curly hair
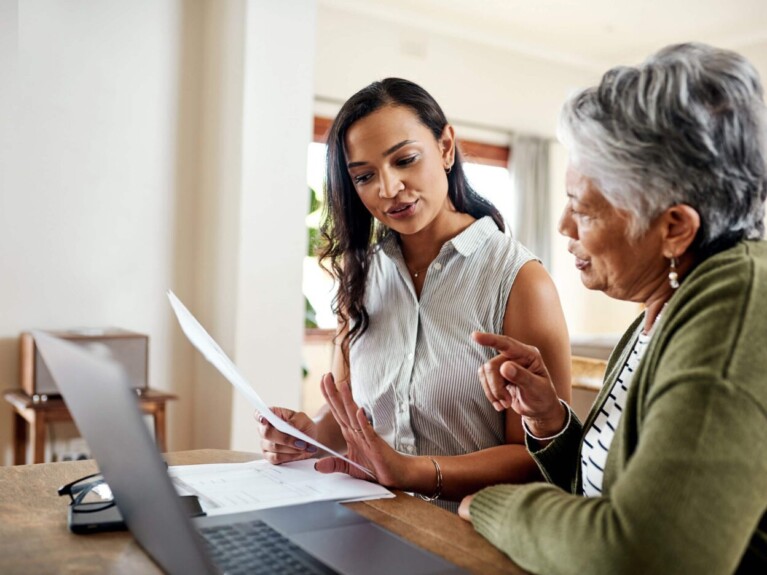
688	126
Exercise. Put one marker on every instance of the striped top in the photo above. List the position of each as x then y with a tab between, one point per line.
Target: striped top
415	369
600	435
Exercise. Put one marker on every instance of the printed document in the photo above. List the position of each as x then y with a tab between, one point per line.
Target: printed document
236	487
215	355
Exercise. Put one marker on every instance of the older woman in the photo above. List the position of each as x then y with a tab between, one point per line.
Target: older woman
668	474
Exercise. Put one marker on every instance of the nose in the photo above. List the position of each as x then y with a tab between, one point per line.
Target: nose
390	185
566	225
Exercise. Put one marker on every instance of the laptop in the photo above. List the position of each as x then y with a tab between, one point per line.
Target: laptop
323	537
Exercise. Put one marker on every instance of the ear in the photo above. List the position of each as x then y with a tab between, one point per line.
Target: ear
680	226
447	146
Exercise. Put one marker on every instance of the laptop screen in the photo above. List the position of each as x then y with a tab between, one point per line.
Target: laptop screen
105	409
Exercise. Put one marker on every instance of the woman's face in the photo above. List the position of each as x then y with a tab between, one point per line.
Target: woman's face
608	258
398	168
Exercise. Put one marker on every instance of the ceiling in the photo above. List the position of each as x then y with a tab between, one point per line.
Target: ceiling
590	34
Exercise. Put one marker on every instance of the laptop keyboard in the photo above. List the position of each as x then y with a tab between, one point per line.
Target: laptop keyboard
255	547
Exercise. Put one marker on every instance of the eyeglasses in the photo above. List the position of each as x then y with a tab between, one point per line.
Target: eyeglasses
88	494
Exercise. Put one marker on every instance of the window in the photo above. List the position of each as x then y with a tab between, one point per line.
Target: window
486	169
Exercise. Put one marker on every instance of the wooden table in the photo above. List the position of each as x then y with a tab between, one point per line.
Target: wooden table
34	536
31	419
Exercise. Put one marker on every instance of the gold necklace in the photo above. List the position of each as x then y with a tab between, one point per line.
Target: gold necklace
416	273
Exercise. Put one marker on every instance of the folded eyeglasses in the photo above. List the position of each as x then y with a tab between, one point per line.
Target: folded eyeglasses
88	494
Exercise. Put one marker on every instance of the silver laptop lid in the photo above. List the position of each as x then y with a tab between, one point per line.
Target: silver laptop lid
106	412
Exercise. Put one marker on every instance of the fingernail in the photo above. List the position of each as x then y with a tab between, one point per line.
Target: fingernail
261	419
508	388
312	449
300	444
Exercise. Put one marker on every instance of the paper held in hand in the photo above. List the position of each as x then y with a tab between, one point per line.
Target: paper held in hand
207	346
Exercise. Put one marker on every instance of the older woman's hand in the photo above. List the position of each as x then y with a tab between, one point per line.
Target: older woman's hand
518	379
463	509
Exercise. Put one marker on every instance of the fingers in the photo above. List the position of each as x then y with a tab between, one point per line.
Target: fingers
367	431
521	377
279	447
333	465
347	399
275	453
341	403
509	385
493	383
332	397
508	347
515	375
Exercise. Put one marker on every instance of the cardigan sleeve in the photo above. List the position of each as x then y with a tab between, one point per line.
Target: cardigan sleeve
692	486
687	503
559	459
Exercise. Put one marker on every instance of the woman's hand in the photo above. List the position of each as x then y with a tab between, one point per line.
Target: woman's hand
518	379
463	508
364	445
279	447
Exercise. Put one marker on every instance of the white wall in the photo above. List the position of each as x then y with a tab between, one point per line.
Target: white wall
276	131
472	82
92	186
157	145
256	127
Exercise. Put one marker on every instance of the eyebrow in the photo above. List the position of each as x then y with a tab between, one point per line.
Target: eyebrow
388	152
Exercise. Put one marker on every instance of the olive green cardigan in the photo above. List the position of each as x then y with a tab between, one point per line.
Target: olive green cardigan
685	482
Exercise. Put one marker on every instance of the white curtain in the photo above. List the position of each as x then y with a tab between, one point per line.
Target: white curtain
529	169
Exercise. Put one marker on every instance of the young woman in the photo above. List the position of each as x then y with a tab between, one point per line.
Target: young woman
421	262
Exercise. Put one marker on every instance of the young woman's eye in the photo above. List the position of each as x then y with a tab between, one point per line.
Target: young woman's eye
361	179
407	160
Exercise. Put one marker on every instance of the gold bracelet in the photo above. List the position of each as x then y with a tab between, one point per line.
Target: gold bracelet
438	489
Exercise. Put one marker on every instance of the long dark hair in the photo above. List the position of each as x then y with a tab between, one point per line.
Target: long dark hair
348	231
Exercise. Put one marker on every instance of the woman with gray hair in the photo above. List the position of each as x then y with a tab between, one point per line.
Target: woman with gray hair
668	474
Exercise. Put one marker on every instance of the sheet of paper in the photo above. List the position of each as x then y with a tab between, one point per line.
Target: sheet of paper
236	487
215	355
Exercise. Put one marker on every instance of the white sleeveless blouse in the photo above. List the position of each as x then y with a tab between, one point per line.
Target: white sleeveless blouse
415	369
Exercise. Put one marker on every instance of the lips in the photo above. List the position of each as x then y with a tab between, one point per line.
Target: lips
580	263
402	210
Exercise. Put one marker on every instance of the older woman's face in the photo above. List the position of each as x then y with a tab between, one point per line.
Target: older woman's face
607	257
